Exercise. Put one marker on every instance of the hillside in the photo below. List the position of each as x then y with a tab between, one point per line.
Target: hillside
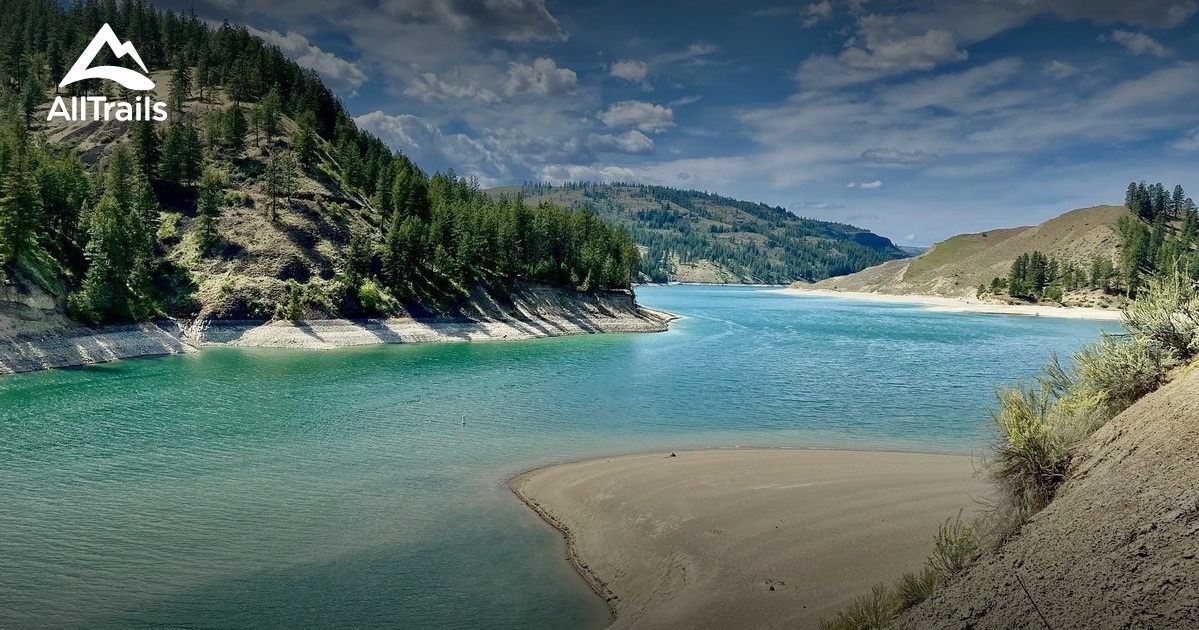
258	199
690	236
1117	546
957	266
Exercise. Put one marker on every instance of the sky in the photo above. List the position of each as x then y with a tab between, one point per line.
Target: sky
915	119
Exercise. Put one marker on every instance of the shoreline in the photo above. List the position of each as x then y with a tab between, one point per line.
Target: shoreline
81	346
962	305
640	529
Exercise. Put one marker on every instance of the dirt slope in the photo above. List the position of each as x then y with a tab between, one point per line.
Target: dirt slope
1118	548
955	267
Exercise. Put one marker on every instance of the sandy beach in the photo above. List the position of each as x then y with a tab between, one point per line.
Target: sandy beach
961	305
745	538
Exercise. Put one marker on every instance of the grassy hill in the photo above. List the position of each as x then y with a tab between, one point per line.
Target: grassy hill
957	266
690	236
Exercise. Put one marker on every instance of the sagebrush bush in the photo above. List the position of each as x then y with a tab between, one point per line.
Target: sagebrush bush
875	611
1029	462
913	588
954	549
1120	371
1166	314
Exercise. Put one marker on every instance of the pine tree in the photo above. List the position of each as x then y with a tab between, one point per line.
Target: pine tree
235	128
20	212
182	155
147	148
208	207
181	85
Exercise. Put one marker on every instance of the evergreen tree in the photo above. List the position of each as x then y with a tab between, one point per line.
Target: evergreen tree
235	129
20	212
182	155
208	207
147	148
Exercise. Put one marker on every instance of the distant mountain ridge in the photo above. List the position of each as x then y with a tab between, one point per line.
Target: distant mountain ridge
957	266
691	236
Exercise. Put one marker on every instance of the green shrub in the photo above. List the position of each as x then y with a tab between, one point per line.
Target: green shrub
1029	460
955	548
374	299
168	227
913	588
1166	313
1120	372
870	612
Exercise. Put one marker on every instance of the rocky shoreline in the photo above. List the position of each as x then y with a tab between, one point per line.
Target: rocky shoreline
82	346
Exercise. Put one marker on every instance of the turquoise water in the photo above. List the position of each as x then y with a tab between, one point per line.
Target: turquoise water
292	489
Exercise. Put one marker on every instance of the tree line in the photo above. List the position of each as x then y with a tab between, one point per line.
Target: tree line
94	233
761	243
1158	240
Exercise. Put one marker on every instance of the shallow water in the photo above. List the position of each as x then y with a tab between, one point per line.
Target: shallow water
290	489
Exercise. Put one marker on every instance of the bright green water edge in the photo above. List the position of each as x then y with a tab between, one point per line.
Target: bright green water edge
290	489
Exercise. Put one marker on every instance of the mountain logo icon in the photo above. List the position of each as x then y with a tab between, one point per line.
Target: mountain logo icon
126	77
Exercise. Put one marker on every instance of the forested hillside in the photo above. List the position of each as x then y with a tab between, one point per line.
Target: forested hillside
1158	238
692	236
258	198
1076	254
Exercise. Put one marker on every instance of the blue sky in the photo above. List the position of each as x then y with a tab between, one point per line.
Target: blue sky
918	120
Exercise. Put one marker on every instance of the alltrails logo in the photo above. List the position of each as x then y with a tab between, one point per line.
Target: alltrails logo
99	107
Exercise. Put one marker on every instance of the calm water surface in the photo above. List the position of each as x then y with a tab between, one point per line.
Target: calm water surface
291	489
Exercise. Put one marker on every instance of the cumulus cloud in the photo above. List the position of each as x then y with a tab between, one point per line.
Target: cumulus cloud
543	77
630	70
429	88
632	142
643	116
891	155
1138	43
426	143
817	12
883	47
511	20
1059	69
335	71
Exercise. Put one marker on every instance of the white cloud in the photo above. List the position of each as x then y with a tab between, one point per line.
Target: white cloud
883	47
429	88
1059	69
1138	43
891	155
511	20
874	185
543	77
424	142
335	71
559	174
632	142
1189	142
817	12
1152	13
643	116
630	70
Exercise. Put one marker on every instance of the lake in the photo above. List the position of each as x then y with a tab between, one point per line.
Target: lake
366	487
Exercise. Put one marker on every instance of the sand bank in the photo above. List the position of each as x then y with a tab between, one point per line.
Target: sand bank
747	538
962	305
